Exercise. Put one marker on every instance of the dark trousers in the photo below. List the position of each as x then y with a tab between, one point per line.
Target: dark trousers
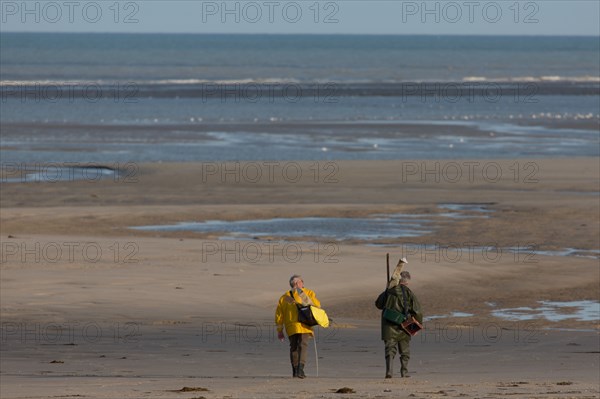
298	348
403	346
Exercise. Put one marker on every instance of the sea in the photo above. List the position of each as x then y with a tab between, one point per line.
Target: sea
105	98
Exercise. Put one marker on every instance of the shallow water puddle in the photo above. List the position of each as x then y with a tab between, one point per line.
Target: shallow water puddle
50	173
553	311
467	210
397	225
377	226
450	315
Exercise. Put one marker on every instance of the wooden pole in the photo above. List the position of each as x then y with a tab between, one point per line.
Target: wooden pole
387	263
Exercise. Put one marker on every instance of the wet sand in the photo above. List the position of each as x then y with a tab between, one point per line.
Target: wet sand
192	140
93	308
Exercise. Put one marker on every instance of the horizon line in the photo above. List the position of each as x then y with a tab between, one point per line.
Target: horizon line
308	34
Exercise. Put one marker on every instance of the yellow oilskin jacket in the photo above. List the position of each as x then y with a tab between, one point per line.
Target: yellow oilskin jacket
287	313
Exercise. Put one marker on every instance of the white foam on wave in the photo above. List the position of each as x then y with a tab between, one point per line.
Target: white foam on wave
528	79
289	81
8	83
475	79
147	82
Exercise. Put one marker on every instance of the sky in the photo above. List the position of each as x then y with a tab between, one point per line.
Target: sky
461	17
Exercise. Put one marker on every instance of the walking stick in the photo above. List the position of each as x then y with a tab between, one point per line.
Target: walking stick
316	354
387	262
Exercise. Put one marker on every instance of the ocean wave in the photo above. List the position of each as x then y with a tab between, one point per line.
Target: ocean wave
159	82
529	79
293	81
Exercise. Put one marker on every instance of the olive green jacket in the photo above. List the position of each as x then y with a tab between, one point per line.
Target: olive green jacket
392	299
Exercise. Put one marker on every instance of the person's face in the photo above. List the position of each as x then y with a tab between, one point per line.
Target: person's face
299	283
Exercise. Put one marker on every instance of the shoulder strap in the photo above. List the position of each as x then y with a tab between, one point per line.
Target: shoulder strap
299	305
304	298
404	301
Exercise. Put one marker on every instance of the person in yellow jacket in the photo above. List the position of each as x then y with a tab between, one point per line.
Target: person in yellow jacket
287	315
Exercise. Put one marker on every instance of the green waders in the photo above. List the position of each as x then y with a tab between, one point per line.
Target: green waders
403	345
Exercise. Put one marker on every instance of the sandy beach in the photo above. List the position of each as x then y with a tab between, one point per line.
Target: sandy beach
93	308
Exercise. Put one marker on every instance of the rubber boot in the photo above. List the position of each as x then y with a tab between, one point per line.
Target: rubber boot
404	367
301	371
294	371
389	366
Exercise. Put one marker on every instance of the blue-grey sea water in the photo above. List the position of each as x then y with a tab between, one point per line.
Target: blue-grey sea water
131	98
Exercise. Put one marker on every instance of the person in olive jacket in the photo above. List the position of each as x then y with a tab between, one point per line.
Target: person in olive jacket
287	315
394	337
